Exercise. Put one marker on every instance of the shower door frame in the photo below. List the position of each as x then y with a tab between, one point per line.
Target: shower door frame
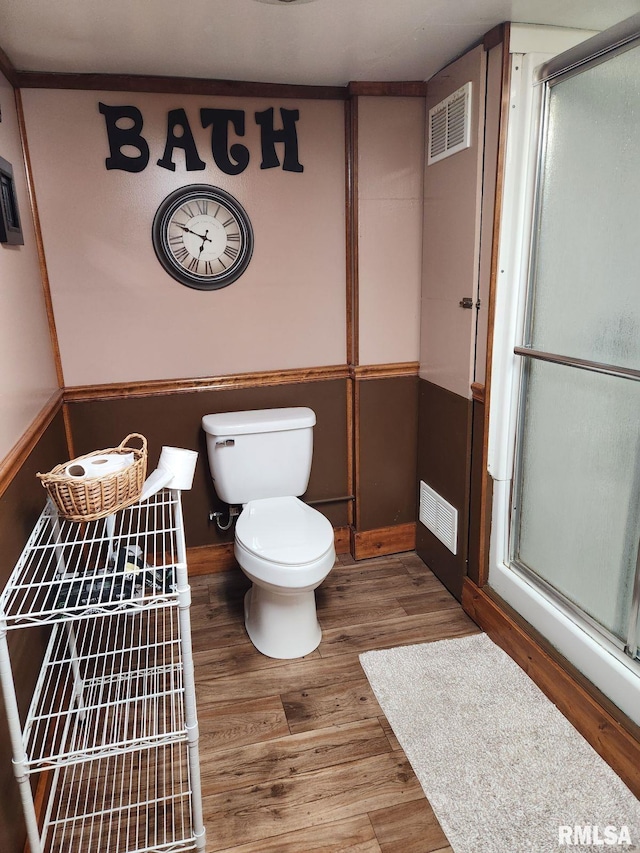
601	656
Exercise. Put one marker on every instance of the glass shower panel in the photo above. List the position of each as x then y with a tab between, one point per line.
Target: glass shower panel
579	503
587	299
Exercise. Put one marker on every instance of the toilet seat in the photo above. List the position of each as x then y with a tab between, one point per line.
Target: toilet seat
284	531
284	542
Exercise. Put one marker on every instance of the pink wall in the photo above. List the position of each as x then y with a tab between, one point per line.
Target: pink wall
27	369
452	198
120	317
391	134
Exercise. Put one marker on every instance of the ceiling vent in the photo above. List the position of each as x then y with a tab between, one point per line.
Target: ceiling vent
450	125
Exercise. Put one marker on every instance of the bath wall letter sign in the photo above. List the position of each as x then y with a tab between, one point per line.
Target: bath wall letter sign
130	152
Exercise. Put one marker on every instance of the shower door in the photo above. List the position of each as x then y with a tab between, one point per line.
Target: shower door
576	512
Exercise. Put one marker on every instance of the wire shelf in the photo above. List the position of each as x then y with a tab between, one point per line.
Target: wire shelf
126	561
114	683
112	727
127	803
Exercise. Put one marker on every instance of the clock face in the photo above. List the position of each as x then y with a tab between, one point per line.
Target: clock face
202	237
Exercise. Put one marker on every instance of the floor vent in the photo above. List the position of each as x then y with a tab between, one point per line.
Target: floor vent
439	517
450	125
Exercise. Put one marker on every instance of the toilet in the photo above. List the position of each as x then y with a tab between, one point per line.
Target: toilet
261	459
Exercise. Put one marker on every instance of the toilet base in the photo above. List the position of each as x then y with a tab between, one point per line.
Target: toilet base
282	625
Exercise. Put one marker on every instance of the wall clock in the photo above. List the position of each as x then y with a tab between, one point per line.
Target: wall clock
202	236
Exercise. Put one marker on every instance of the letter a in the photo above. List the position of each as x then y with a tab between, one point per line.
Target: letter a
625	836
184	140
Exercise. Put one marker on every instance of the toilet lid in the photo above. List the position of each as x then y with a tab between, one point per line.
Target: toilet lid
284	530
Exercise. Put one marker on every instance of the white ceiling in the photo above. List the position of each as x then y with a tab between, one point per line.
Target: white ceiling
324	42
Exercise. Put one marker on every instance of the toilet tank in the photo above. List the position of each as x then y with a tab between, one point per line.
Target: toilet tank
264	453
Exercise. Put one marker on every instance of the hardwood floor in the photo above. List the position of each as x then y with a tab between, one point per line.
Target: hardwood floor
297	756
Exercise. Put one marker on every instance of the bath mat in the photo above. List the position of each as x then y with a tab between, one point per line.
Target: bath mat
504	771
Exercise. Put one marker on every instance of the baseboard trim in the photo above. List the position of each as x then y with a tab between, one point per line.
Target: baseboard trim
343	540
383	541
613	736
209	559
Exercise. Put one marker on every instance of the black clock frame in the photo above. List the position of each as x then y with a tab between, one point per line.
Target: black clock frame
159	235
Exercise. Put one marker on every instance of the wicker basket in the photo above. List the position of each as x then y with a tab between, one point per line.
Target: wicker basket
90	498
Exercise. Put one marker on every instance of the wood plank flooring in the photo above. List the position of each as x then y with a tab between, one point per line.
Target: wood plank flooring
297	756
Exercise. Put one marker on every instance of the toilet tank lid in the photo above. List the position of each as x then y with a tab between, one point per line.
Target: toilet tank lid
259	420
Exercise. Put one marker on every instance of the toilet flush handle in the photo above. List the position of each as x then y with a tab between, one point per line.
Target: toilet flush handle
227	442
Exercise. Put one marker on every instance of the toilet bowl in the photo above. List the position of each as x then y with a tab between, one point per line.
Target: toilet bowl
261	460
286	549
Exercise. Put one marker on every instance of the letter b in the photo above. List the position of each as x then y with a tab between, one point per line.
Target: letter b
119	137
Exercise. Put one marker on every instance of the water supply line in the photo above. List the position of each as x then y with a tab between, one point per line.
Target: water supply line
216	516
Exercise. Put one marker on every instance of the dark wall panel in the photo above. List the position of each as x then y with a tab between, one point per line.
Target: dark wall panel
20	506
388	424
444	460
478	559
175	419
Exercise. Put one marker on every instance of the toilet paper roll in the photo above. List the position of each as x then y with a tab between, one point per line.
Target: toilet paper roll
98	466
181	463
157	480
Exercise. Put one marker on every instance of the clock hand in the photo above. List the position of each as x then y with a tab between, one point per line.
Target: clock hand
189	231
195	233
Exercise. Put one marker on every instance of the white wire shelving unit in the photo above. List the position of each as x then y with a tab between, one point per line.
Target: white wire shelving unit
112	728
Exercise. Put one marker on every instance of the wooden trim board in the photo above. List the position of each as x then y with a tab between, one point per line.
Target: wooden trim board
385	371
155	387
42	262
209	559
390	88
383	541
15	459
610	733
7	68
174	85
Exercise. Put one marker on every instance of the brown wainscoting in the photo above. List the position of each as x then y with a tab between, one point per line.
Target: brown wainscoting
155	387
608	730
21	502
444	463
171	418
478	560
175	85
383	541
210	559
15	459
387	429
